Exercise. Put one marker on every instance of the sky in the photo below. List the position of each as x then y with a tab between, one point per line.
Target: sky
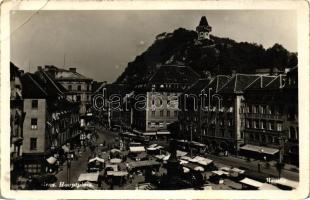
101	43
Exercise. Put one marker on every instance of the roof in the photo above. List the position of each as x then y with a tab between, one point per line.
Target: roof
259	149
198	86
218	82
97	86
137	149
32	88
174	74
52	87
276	83
251	182
64	74
260	82
238	83
203	21
14	71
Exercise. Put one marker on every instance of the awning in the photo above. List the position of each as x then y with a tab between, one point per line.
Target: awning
145	163
259	149
163	133
183	162
160	157
149	133
137	149
185	158
251	182
267	186
115	150
286	182
186	170
96	159
198	144
240	171
220	172
152	145
51	160
114	167
88	177
166	157
181	153
142	155
117	173
151	149
191	166
115	160
136	131
198	168
203	161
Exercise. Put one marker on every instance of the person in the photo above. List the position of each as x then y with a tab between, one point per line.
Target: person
258	167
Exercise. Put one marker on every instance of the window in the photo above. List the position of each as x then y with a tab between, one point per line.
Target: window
279	126
153	113
168	113
255	124
161	124
33	168
175	113
79	88
263	125
69	87
247	123
33	143
262	109
34	104
78	98
34	123
292	133
161	113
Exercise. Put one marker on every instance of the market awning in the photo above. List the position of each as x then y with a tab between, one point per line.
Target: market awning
163	133
251	182
115	151
115	160
88	177
240	171
185	158
198	168
137	132
96	159
202	160
186	170
181	153
145	163
198	144
137	149
259	149
117	173
149	133
286	182
266	186
114	167
160	157
142	155
220	172
51	160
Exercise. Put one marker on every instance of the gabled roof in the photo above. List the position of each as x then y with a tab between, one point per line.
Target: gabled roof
218	82
50	84
64	74
276	83
198	86
238	83
174	74
260	82
32	88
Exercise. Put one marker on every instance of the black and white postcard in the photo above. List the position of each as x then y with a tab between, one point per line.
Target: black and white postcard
155	99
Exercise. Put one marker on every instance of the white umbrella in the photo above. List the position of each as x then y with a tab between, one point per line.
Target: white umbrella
198	168
51	160
185	170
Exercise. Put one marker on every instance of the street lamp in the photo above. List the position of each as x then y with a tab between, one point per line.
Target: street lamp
69	158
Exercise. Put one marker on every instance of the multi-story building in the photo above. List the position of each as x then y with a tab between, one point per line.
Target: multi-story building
51	120
16	122
156	101
78	86
263	117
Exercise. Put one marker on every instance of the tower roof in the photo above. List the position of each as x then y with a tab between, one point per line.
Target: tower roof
203	21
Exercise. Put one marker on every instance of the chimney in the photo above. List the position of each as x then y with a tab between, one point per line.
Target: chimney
72	69
39	68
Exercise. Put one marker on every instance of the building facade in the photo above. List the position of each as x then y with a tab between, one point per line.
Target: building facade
79	87
159	96
51	120
17	116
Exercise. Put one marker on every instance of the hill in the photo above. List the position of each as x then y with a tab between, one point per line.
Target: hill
215	55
